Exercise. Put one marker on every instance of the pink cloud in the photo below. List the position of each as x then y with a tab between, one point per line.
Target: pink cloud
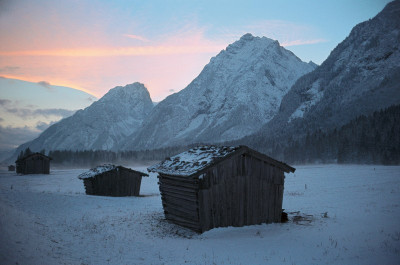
136	37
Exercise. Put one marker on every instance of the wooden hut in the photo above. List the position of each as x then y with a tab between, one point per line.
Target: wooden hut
11	168
210	186
111	180
35	163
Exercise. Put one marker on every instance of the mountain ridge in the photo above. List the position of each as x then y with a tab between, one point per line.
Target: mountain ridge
237	91
101	125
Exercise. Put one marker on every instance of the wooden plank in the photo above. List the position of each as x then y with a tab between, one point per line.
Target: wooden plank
180	179
204	208
188	206
180	194
243	198
178	204
178	183
192	216
270	203
178	188
276	210
177	197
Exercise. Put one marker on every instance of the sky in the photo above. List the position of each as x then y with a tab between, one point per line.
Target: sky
96	45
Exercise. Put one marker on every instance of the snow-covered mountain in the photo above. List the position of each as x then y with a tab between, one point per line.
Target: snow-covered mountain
235	94
102	125
361	75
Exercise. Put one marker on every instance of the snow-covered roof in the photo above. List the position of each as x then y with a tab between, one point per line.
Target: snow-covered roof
193	160
201	157
105	168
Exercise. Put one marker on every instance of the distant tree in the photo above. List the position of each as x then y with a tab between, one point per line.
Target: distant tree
21	155
27	152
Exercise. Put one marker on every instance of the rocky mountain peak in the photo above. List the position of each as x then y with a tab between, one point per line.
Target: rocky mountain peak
136	91
238	91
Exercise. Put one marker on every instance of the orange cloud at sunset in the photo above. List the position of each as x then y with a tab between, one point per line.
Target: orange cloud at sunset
115	51
97	74
54	81
163	66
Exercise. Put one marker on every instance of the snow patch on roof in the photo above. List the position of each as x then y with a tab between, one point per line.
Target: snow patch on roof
97	170
191	161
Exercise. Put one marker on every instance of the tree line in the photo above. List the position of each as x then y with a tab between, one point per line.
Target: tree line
91	158
373	139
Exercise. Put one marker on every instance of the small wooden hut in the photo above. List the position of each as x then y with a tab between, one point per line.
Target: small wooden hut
11	168
218	186
111	180
35	163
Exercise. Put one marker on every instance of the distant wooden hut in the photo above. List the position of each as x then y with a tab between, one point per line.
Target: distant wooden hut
11	168
210	186
111	180
35	163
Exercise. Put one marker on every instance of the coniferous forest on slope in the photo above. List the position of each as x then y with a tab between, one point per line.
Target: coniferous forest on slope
372	139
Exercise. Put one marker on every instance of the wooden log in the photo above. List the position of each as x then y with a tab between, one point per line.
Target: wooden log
177	188
183	214
180	179
179	195
179	204
177	183
178	200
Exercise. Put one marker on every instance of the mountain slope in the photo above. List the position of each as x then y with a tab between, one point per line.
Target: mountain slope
100	126
360	76
235	94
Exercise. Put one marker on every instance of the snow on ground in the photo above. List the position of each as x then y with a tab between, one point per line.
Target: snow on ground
353	218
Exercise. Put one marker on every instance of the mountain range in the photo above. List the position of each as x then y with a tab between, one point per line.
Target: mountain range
254	92
235	94
360	76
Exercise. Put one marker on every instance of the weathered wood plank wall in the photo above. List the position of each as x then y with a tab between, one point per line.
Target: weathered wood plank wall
180	200
116	183
242	190
34	166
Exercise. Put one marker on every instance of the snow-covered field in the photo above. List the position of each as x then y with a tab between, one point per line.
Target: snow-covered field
352	217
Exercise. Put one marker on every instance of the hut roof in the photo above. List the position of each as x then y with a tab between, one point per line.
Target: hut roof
33	154
105	168
200	158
